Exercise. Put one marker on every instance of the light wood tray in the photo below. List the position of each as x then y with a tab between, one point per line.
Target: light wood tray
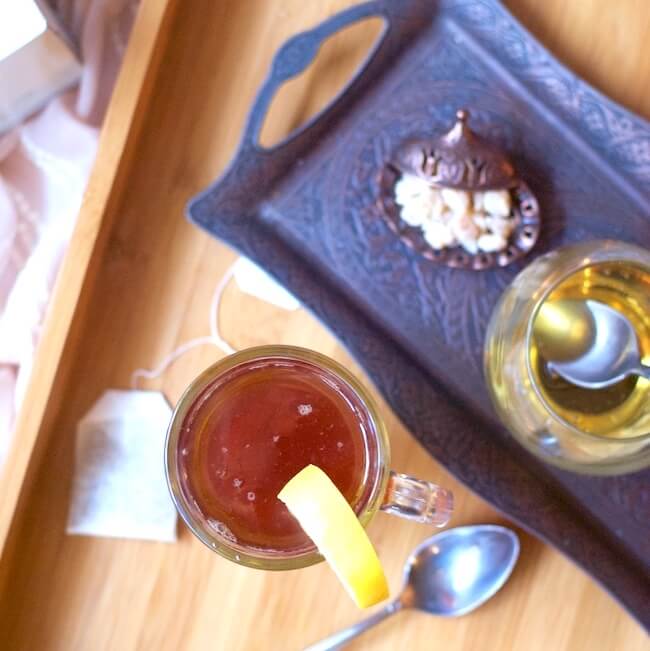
137	281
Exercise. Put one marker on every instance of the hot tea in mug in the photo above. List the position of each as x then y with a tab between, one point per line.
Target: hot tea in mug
249	423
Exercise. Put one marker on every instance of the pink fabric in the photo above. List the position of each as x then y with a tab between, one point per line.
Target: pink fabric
44	167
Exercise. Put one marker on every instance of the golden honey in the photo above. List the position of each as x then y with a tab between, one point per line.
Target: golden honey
605	431
622	410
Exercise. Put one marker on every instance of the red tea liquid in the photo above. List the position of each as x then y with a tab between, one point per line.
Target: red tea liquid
257	425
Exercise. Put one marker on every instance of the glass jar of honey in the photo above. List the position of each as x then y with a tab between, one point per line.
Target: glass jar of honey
595	431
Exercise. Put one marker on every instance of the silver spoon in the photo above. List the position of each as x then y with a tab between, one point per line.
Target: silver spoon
449	574
605	346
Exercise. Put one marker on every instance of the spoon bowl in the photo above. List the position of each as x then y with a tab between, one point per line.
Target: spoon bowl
449	574
455	571
606	348
564	329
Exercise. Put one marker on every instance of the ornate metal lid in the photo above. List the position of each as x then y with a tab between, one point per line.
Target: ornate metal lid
460	159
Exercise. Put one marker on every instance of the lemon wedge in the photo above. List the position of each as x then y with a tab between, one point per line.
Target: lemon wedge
327	518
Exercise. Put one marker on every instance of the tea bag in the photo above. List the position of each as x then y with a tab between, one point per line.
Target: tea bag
119	488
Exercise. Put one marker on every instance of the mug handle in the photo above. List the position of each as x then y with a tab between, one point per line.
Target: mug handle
417	499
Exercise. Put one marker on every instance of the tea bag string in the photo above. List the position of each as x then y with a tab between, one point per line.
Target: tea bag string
214	338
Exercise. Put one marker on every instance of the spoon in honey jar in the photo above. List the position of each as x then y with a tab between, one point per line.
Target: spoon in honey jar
588	343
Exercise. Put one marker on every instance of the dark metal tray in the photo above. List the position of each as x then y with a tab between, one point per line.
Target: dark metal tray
305	210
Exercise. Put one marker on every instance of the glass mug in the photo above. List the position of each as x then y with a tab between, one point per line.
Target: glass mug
247	424
604	431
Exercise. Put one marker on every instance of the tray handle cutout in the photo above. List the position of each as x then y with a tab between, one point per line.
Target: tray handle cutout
299	52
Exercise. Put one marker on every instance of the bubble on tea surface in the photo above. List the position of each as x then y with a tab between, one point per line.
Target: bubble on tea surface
224	450
221	529
276	438
305	410
185	452
339	444
236	482
250	496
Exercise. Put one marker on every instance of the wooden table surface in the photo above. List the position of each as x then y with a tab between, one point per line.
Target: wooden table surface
92	594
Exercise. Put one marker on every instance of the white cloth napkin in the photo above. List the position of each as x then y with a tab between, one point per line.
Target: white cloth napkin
44	164
119	487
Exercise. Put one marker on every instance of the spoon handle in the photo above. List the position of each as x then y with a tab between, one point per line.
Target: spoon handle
338	639
643	371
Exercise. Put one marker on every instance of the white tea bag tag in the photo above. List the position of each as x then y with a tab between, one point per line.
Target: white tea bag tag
256	282
119	487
